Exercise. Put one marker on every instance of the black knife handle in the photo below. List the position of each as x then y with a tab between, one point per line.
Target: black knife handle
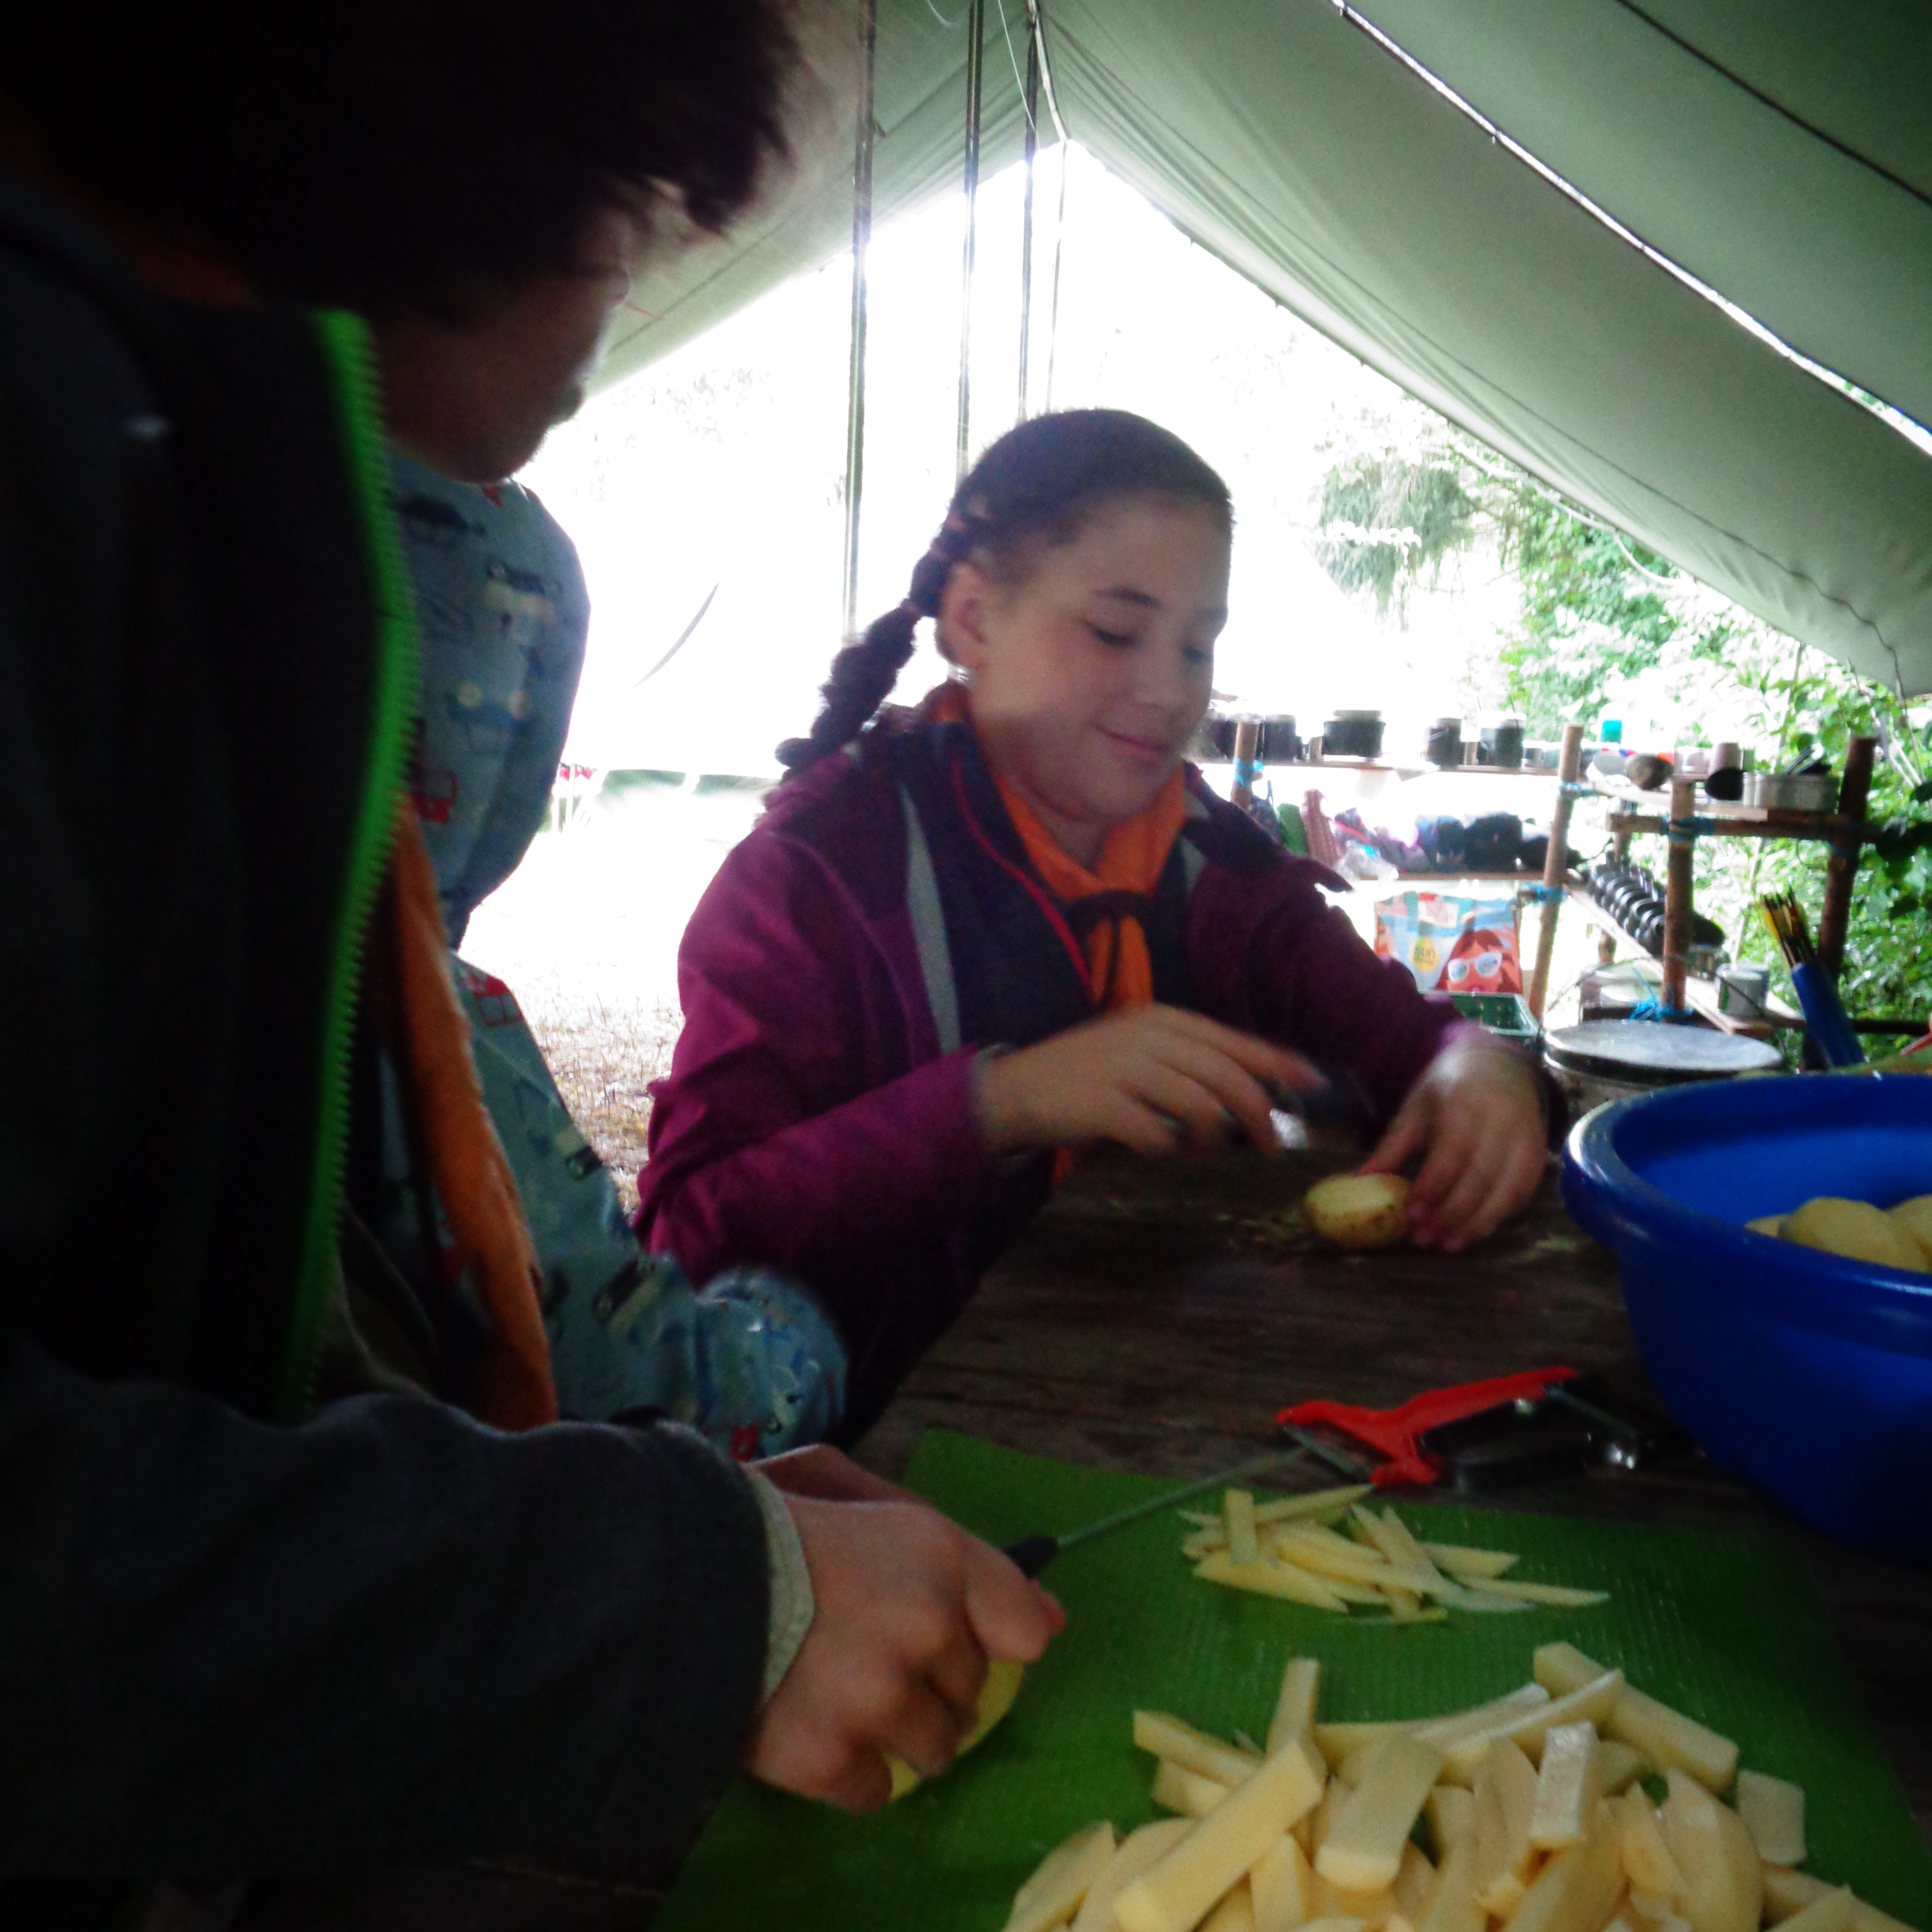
1033	1553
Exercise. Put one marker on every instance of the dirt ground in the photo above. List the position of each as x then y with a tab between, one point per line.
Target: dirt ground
585	934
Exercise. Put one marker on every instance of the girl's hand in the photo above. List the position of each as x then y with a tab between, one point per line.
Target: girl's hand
1478	1112
1149	1077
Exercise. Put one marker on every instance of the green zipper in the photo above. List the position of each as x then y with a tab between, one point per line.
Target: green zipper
345	343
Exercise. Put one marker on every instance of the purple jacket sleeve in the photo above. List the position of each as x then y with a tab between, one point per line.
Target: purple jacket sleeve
807	1124
1269	955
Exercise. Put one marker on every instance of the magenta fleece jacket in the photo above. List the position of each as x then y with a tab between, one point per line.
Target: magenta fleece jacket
811	1121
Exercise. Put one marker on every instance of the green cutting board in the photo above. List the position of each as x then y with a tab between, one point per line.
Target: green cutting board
1726	1627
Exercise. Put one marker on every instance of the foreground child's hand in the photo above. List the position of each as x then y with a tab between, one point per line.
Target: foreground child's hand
1147	1078
908	1609
1478	1112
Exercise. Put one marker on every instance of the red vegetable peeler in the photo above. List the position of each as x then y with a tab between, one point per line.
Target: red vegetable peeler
1393	1432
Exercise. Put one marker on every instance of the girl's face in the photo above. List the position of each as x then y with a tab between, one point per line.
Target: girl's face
1090	674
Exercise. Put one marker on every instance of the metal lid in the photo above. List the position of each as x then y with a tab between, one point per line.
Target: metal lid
1644	1053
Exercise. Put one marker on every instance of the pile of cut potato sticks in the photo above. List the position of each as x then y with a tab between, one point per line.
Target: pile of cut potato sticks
1290	1547
1534	1808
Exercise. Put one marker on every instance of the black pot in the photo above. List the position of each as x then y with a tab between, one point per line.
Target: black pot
1279	745
1502	744
1352	738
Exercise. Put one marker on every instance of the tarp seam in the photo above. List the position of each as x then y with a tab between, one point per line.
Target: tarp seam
1234	192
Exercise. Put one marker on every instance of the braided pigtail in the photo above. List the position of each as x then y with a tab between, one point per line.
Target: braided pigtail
1034	488
864	673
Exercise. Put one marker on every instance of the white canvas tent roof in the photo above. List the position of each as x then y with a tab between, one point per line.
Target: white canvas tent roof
1779	152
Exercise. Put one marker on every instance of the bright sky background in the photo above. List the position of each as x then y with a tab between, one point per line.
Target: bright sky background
723	466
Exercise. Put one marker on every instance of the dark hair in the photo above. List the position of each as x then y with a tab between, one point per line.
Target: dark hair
1034	489
386	154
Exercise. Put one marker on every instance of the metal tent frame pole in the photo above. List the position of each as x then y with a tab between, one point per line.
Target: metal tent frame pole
862	236
976	46
1032	107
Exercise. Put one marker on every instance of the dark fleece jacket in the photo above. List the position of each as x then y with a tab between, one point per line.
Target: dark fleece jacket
233	1643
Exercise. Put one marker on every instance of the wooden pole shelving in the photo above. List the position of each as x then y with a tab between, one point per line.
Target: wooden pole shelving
1845	832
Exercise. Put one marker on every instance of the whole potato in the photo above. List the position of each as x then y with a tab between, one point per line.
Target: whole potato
1358	1210
1855	1229
1914	1216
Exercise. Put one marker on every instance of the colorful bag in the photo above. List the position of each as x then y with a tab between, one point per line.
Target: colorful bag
1452	945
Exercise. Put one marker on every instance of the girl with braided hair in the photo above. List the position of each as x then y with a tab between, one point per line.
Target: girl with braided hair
969	937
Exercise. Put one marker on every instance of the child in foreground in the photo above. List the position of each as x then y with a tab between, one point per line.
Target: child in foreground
1014	921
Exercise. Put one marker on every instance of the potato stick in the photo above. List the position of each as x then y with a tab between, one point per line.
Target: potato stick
1832	1913
1619	1766
1505	1801
1235	1913
1668	1736
1461	1562
1561	1595
1202	1519
1578	1889
1404	1552
1404	1605
1294	1707
1316	1541
1176	1894
1647	1861
1436	1614
1189	1793
1281	1885
1787	1893
1271	1579
1366	1594
1354	1767
1339	1559
1567	1793
1336	1924
1453	1908
1315	1503
1203	1542
1414	1885
1774	1813
1062	1880
1239	1506
1449	1813
1592	1702
1138	1851
1443	1732
1371	1910
1166	1736
1364	1849
1337	1742
1723	1889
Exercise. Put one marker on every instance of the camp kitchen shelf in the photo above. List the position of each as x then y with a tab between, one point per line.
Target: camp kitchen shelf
1845	832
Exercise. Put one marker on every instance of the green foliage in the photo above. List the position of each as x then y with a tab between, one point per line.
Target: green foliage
1603	618
1385	521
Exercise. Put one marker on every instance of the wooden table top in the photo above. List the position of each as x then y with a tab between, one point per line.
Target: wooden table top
1156	1316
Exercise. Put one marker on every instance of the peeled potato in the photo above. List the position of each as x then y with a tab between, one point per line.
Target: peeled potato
1772	1225
996	1699
1914	1216
1358	1210
1855	1229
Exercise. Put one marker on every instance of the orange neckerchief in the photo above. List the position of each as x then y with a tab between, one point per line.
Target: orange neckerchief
489	1239
1132	861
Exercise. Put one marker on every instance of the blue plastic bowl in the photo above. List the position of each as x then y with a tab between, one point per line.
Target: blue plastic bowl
1807	1373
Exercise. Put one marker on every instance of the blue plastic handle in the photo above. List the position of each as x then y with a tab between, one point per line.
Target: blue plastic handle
1825	1016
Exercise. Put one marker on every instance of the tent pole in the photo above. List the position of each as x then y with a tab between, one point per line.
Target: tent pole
862	236
976	44
1032	105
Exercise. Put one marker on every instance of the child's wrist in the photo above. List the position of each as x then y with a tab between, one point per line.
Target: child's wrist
999	1101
